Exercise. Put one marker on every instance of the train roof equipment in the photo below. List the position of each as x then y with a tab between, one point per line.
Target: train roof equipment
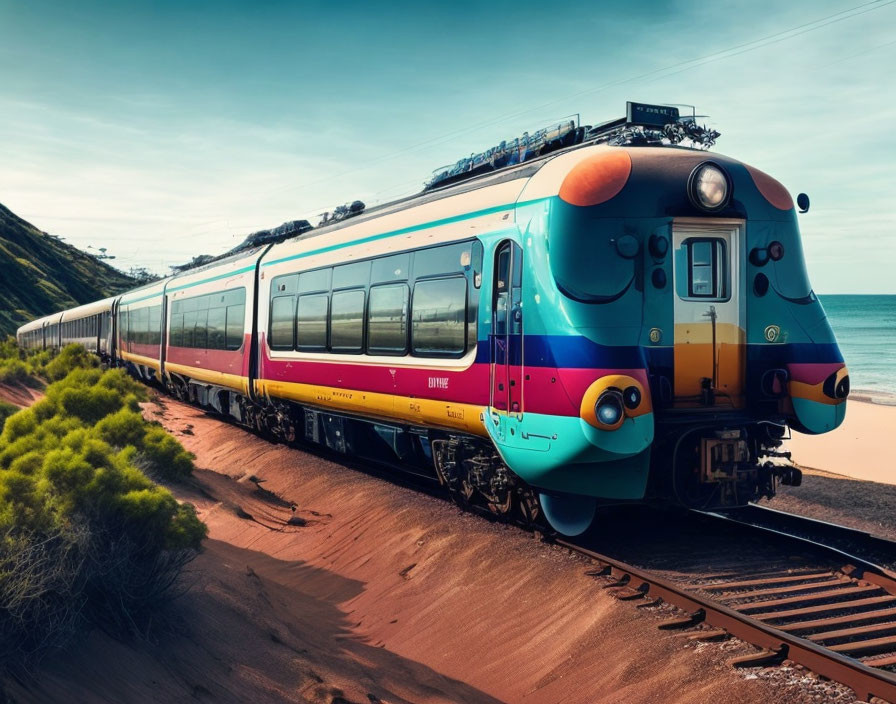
643	124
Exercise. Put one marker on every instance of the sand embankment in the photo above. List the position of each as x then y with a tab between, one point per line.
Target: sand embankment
384	595
19	395
861	448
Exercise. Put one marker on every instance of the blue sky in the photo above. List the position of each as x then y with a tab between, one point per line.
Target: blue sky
161	130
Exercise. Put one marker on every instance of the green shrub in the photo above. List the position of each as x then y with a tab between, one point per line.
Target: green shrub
6	410
71	357
85	536
9	349
156	452
13	371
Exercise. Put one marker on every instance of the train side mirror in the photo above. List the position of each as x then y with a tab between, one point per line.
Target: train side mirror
802	201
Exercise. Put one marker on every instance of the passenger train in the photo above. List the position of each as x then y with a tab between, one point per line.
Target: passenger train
581	317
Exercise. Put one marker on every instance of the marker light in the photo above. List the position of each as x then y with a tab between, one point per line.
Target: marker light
631	397
608	408
775	251
708	187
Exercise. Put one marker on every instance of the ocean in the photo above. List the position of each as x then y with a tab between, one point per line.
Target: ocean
865	327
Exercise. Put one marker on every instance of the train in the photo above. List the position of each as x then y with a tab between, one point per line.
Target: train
580	317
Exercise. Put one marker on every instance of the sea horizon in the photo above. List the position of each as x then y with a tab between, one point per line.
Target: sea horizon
865	327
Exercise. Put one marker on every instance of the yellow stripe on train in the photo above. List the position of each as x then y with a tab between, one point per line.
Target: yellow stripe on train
210	376
140	359
417	411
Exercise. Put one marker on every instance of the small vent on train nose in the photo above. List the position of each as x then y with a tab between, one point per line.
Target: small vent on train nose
774	382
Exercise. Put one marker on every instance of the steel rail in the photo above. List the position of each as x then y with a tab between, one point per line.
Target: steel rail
866	569
767	516
864	680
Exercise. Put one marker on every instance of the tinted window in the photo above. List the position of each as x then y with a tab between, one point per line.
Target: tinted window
707	265
235	325
357	274
189	326
176	333
393	268
155	325
284	285
442	260
282	336
347	321
217	323
387	321
314	281
311	326
200	334
439	316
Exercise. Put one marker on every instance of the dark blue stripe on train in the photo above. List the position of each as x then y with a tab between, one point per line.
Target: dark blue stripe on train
577	352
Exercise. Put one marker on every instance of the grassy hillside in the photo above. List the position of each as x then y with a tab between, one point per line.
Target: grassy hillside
40	274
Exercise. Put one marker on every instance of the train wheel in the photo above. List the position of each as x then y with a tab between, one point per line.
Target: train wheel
568	514
503	505
529	508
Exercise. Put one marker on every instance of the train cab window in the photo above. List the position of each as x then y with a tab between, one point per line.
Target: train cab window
283	328
311	322
707	268
439	313
347	321
387	319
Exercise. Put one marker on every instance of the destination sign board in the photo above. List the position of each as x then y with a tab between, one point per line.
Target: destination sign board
650	115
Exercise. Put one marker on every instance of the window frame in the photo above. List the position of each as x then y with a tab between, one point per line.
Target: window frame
719	267
295	303
363	318
466	322
390	351
314	348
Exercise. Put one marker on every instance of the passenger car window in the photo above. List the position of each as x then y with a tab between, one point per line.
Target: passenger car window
283	327
387	320
347	321
236	315
311	322
217	323
439	311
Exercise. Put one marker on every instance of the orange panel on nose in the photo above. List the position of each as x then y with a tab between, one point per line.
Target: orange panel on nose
597	178
771	189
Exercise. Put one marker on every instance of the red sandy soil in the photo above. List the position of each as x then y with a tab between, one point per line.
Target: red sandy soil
384	595
19	395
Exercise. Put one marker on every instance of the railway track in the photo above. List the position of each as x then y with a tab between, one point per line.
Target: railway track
772	581
797	588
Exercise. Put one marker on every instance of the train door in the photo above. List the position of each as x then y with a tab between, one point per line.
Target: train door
507	334
709	309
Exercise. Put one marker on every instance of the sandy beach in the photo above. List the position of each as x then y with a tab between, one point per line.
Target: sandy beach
860	448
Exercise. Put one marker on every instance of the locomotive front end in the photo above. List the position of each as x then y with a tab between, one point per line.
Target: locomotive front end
682	275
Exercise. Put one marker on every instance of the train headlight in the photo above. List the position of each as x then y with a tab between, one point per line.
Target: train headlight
631	397
708	187
612	398
608	409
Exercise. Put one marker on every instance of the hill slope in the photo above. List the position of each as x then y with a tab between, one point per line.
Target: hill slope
40	274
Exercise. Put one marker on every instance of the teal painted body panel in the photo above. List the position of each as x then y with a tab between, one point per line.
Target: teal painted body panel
565	454
816	417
